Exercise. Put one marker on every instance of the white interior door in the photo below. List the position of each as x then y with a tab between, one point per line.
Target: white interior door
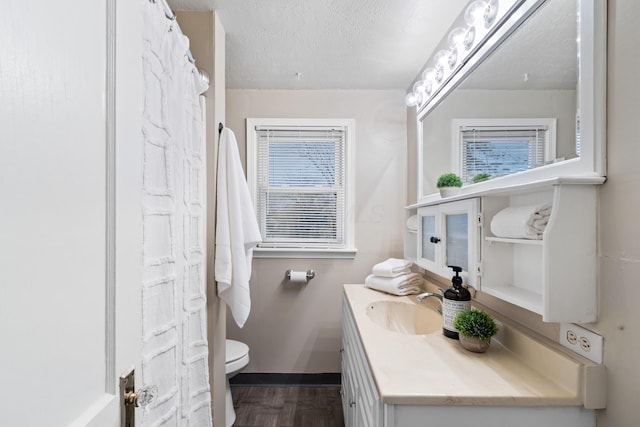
70	209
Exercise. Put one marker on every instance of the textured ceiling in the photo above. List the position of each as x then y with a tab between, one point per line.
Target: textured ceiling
333	44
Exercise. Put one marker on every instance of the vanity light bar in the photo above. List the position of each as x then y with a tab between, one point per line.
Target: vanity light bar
471	30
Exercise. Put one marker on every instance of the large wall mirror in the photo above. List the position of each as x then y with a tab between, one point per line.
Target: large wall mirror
528	106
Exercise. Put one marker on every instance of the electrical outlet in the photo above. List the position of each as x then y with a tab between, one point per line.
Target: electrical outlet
582	341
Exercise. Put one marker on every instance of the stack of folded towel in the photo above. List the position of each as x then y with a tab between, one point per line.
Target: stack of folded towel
394	276
521	222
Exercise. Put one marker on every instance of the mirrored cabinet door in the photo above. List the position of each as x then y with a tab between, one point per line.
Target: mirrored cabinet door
457	232
449	235
429	237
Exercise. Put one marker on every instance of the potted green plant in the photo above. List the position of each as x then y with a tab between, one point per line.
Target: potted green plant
449	184
475	328
480	177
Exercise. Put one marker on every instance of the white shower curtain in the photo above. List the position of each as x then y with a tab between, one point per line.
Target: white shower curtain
174	349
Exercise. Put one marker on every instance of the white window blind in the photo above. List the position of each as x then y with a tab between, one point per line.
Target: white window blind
300	185
500	149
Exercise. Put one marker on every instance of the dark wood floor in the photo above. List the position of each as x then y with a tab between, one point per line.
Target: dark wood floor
287	406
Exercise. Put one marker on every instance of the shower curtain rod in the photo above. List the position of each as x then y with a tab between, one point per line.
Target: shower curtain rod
172	17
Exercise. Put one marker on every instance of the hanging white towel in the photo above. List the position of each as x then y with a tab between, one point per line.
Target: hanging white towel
237	231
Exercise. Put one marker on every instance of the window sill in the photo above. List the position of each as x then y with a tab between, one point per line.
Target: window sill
349	253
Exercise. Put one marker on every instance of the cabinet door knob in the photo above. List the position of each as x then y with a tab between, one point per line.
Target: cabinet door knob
434	239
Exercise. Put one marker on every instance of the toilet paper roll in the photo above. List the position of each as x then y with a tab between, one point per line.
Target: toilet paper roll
298	276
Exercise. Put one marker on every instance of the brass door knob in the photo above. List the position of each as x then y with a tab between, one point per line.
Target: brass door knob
131	399
141	398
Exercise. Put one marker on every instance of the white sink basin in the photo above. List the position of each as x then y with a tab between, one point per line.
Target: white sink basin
404	318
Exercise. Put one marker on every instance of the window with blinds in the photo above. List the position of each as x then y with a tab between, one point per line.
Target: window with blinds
500	150
300	185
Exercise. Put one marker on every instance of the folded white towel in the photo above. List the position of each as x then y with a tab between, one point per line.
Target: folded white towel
407	284
521	222
392	267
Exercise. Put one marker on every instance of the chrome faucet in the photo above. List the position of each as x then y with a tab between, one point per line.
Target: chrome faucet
425	295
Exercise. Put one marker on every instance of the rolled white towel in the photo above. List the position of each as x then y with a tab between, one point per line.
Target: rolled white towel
412	223
521	222
539	224
392	267
546	211
406	284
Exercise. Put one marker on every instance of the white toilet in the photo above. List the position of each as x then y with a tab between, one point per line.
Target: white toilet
236	359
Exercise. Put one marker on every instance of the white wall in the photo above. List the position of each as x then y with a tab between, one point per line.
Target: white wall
297	328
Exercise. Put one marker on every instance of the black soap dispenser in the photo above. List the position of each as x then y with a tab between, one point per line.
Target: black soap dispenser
455	299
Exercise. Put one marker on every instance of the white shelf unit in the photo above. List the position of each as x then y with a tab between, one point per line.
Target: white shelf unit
555	277
516	241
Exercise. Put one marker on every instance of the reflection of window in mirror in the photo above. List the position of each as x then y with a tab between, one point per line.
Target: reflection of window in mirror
499	147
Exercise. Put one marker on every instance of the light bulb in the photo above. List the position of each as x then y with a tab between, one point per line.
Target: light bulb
428	88
411	99
441	58
452	59
429	74
490	13
439	75
419	86
456	37
462	37
474	15
481	13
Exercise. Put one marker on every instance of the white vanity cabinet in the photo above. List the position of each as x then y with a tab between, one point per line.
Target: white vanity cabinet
367	403
360	400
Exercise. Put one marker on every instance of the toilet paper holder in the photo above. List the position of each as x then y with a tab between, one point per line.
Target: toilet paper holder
310	274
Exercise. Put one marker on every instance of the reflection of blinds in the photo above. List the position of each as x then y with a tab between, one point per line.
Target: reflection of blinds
301	186
500	151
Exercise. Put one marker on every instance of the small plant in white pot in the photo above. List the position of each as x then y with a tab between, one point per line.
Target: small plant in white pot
475	329
449	184
480	177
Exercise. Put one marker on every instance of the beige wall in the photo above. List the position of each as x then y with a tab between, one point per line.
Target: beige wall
619	233
619	236
294	328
